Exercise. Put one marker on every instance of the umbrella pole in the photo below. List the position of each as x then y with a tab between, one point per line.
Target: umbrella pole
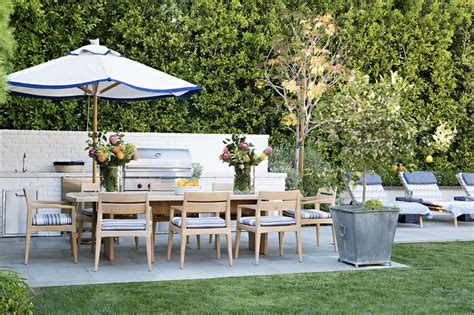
94	137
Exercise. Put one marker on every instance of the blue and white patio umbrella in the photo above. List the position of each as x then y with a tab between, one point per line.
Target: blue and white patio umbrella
97	71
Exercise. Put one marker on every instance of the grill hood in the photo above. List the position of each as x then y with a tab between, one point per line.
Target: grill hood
161	163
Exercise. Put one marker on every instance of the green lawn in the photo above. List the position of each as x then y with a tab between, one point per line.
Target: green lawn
440	280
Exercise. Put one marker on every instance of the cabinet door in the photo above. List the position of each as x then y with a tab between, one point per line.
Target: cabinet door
14	212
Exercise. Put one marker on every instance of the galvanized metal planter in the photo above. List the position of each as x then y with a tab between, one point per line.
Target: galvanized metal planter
364	237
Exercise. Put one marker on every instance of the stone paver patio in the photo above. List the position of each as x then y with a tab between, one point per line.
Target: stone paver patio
50	262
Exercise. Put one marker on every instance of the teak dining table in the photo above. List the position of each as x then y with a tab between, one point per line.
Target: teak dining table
161	204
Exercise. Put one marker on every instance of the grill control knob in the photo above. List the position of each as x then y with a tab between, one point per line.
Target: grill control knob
149	186
139	186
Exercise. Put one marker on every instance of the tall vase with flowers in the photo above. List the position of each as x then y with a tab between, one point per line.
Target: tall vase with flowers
241	155
111	154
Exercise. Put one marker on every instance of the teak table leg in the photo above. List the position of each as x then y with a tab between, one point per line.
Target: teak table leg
263	243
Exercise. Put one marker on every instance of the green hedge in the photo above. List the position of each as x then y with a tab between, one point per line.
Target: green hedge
219	45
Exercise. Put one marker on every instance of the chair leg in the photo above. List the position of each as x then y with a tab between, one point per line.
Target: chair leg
137	243
149	251
229	248
27	245
456	222
237	242
281	235
73	240
318	233
298	246
421	221
198	240
257	248
170	244
97	252
334	239
210	238
79	235
218	246
183	251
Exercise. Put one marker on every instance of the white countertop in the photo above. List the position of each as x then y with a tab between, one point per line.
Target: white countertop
28	174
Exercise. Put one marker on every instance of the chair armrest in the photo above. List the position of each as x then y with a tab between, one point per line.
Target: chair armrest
314	200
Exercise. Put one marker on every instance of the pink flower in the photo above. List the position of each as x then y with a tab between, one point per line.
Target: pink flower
92	153
244	146
268	150
113	139
225	156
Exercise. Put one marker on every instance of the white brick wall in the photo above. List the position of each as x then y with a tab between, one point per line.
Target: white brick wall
44	147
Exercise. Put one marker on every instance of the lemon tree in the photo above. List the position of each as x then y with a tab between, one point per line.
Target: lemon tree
370	129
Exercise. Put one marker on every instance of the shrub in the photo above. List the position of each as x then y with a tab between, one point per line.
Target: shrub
14	293
373	204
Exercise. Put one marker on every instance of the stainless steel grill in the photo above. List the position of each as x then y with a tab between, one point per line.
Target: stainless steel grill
157	166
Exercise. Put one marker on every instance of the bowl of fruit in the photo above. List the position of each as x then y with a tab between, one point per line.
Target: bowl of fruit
184	185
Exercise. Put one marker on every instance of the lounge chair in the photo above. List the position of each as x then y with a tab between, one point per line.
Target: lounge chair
425	186
375	191
467	183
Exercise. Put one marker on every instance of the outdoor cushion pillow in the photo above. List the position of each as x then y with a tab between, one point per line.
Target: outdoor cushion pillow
309	214
419	178
201	223
372	179
468	178
52	219
268	221
123	224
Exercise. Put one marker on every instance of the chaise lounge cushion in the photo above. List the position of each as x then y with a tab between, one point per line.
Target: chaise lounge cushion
268	221
201	223
410	208
52	219
468	178
123	224
372	179
420	178
309	214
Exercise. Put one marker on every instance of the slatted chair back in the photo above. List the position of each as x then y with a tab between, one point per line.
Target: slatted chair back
223	187
90	187
123	203
279	201
468	189
161	187
203	202
327	193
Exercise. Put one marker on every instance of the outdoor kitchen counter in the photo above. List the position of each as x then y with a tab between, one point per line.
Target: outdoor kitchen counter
7	174
161	205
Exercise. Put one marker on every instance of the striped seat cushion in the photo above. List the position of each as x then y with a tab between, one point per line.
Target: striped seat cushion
268	221
87	212
123	224
52	219
309	214
201	223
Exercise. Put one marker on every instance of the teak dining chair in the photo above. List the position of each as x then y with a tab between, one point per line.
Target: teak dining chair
87	213
119	204
64	222
258	224
316	216
229	187
197	203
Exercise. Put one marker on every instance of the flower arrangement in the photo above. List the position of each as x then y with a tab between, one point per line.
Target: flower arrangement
241	155
111	151
111	154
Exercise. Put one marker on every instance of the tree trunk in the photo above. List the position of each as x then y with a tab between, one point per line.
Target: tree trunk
364	187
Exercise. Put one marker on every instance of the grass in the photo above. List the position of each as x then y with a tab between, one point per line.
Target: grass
440	280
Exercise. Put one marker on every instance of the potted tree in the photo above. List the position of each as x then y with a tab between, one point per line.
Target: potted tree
371	134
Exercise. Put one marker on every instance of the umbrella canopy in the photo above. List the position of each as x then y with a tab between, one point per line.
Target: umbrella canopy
95	70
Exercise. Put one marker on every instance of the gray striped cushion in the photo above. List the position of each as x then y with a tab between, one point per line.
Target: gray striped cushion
52	219
469	189
201	223
310	214
87	211
123	224
375	192
268	221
